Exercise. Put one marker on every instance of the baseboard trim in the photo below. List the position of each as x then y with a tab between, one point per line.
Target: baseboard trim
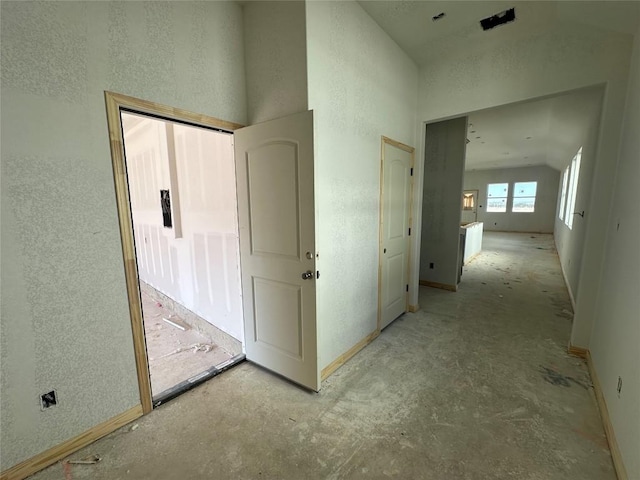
346	356
471	258
566	282
578	351
442	286
51	456
616	456
414	308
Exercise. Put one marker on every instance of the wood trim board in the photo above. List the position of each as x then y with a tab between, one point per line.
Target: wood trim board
411	150
169	113
472	258
616	456
115	103
346	356
578	351
442	286
52	455
414	308
566	281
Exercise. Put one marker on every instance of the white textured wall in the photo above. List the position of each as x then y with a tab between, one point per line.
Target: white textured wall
65	320
616	333
560	58
541	220
276	58
445	149
570	242
200	268
361	86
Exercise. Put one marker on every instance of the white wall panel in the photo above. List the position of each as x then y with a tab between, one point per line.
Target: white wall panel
198	268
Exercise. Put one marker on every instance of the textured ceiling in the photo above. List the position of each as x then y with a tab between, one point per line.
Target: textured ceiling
541	132
410	23
555	125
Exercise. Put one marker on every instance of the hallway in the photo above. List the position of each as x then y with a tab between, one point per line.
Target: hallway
476	385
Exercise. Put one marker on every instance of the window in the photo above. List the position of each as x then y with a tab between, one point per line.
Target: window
524	197
572	192
497	194
563	194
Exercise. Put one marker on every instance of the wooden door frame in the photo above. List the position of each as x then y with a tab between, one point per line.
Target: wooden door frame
115	103
412	152
477	199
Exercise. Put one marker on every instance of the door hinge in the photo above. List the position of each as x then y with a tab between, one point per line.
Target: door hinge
412	171
407	287
409	231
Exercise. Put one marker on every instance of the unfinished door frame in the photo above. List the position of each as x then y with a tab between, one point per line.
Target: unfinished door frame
477	191
412	152
116	102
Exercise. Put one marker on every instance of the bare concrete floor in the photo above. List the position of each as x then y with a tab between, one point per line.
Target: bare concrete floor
476	385
175	355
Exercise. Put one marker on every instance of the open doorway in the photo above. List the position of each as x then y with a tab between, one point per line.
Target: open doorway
275	214
182	199
500	171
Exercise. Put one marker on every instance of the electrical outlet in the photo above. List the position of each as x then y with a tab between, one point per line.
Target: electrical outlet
48	399
431	265
619	386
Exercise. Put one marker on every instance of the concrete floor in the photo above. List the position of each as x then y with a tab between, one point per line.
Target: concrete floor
476	385
175	355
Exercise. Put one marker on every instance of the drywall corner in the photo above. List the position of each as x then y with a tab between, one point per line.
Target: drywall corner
616	330
444	157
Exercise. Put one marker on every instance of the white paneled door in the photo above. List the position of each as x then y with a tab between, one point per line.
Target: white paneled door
274	166
395	224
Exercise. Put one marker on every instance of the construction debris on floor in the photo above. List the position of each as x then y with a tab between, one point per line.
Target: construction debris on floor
476	385
175	351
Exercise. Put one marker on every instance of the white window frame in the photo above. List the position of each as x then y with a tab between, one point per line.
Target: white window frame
506	198
563	194
514	197
572	193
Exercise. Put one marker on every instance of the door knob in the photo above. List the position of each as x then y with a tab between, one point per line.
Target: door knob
307	275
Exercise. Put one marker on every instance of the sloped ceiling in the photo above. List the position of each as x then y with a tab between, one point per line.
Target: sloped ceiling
410	24
555	125
543	132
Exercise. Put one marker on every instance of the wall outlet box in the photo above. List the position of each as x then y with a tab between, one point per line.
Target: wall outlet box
48	399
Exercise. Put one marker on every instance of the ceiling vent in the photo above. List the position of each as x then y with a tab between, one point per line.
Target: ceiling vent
498	19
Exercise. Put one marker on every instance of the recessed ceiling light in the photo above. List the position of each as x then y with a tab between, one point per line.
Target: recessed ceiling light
477	137
472	131
505	153
528	138
439	16
482	142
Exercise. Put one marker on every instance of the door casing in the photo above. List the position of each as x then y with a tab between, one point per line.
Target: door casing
116	102
411	151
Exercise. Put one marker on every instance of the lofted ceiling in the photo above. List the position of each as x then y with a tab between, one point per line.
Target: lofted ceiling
410	24
541	132
555	125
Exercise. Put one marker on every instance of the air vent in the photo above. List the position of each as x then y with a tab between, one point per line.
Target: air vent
498	19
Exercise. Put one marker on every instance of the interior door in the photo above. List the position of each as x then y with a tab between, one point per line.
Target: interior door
395	224
469	207
274	167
